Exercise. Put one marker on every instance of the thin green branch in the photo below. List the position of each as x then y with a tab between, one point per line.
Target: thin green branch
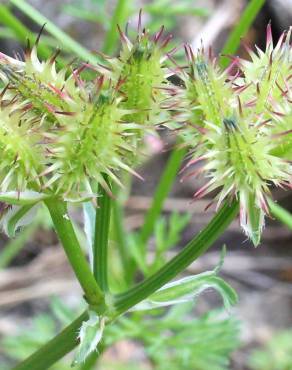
240	30
55	31
162	191
190	253
101	234
65	231
281	214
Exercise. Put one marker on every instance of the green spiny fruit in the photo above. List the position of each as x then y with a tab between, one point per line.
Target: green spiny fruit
230	146
94	145
22	157
140	70
47	92
65	133
204	97
265	89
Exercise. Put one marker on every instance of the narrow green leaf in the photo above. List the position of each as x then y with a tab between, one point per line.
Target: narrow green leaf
55	31
20	32
136	249
186	289
119	17
281	213
248	16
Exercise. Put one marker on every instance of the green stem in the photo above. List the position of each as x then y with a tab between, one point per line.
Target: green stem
281	214
101	234
162	190
233	41
119	231
190	253
66	340
55	349
65	231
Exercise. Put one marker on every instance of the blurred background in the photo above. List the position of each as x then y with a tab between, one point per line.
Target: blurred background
38	292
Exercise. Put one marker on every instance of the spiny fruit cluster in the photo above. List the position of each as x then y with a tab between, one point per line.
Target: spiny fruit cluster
239	126
60	134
